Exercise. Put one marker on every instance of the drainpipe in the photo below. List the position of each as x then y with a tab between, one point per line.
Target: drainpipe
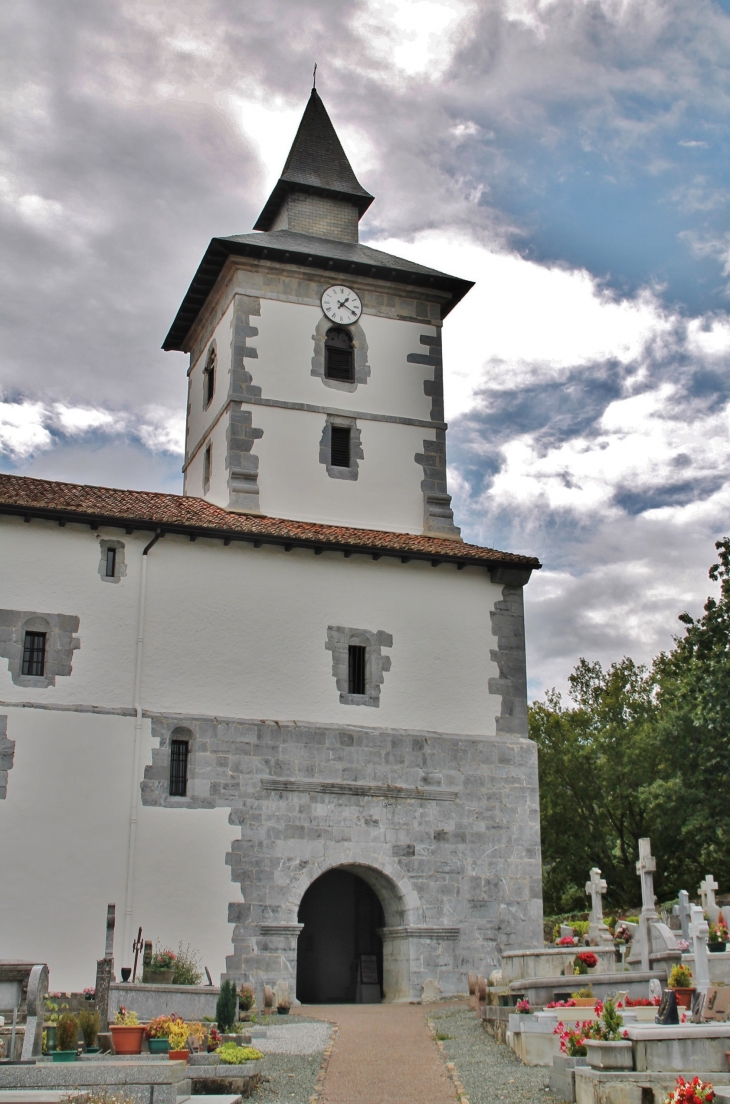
134	797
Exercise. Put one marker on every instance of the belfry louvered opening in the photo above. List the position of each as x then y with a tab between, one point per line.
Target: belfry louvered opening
356	671
179	768
340	446
339	359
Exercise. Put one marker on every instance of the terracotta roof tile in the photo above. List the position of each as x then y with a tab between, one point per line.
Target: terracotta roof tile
171	512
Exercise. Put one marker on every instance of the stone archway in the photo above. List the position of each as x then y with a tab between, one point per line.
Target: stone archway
400	911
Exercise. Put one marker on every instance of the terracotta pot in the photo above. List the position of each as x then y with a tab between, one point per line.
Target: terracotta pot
158	977
179	1055
127	1039
585	1002
727	1055
684	997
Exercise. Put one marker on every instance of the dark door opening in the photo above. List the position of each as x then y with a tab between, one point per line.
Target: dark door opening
341	915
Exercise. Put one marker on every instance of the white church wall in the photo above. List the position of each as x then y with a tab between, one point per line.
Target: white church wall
242	631
218	491
295	484
64	828
285	346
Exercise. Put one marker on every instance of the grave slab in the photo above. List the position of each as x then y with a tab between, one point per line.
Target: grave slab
679	1048
607	1087
147	1082
192	1002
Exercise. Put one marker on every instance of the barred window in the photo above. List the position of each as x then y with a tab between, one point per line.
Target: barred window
339	360
34	653
356	658
178	768
340	446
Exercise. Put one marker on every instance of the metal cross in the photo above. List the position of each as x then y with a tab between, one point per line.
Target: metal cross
594	888
137	947
645	868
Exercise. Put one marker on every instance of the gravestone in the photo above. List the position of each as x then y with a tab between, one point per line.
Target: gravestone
566	931
430	991
683	911
699	931
717	1003
268	999
667	1012
707	894
595	887
105	970
645	868
37	993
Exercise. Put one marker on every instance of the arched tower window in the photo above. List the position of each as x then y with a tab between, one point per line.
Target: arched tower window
209	377
339	358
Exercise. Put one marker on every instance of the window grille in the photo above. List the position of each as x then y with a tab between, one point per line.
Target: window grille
111	562
339	360
178	768
34	653
209	379
340	446
356	657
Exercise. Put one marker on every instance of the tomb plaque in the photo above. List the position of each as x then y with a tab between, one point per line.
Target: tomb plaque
717	1003
368	969
667	1012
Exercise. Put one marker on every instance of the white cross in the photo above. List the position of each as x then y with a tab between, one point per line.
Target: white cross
594	888
683	910
707	893
645	868
699	931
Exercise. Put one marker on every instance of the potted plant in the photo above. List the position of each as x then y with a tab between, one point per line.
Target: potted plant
215	1039
67	1032
583	998
187	966
89	994
718	937
691	1092
90	1022
523	1007
246	999
680	979
572	1039
283	1005
158	1033
607	1044
584	962
127	1032
178	1041
161	968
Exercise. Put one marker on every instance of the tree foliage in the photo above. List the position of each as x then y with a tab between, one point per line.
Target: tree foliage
640	752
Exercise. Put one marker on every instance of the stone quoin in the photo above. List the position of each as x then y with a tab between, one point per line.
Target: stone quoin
294	732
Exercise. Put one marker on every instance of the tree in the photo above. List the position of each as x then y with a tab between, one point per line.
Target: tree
225	1009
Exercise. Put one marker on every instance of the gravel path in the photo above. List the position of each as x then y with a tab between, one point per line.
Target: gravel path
287	1077
295	1038
489	1071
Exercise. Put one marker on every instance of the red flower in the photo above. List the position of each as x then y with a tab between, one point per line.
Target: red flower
588	959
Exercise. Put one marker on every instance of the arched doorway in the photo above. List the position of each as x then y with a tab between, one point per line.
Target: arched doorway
339	952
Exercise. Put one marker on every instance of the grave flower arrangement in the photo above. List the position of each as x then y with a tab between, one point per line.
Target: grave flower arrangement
584	962
561	1004
163	960
719	931
160	1027
691	1092
572	1039
608	1028
567	941
523	1006
124	1018
680	977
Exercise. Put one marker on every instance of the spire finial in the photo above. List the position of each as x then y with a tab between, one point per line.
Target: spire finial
314	76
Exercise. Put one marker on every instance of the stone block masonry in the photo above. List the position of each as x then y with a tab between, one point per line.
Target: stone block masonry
7	754
459	878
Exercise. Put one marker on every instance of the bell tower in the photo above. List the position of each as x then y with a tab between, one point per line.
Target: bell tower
315	386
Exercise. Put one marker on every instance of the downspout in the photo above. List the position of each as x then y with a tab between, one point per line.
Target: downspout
134	797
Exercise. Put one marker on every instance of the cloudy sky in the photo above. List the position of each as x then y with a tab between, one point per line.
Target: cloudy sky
571	156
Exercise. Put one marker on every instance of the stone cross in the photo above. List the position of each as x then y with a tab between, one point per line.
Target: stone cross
683	910
645	868
699	931
707	893
594	888
110	921
36	1009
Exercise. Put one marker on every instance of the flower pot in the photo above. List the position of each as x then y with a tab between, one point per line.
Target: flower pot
684	997
158	977
127	1039
88	996
50	1031
93	1050
610	1056
179	1055
585	1002
64	1055
126	973
716	948
283	1011
159	1046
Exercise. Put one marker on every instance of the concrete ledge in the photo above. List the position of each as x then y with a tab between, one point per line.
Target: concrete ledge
147	1082
192	1002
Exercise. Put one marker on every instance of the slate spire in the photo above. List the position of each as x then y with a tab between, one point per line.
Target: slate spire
317	164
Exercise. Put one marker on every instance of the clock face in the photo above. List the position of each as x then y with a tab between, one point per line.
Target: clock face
341	304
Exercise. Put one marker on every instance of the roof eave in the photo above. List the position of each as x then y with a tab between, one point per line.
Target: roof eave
96	520
220	249
283	188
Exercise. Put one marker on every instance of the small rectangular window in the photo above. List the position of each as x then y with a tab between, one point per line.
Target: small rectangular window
207	465
34	653
111	562
340	446
178	768
356	657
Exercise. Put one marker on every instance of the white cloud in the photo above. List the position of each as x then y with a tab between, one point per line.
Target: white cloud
28	428
76	420
22	431
416	37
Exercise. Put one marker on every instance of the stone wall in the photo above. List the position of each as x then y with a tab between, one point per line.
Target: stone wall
444	828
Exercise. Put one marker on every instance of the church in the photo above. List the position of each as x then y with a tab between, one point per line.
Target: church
281	717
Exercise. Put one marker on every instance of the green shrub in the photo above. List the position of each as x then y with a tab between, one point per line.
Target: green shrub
89	1022
67	1032
234	1055
226	1005
187	966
